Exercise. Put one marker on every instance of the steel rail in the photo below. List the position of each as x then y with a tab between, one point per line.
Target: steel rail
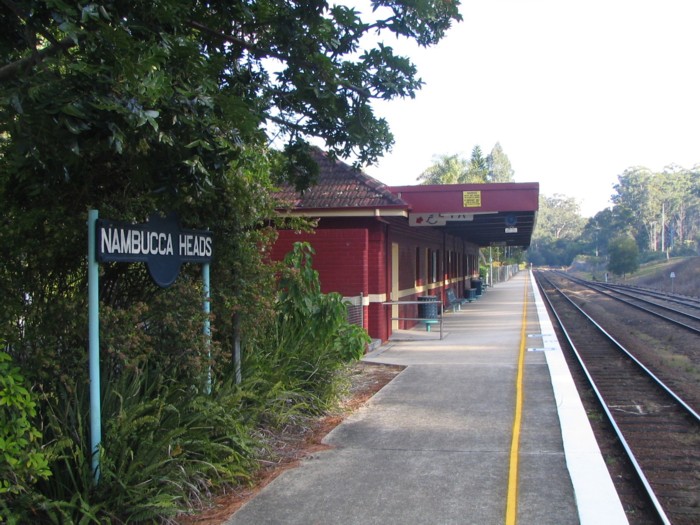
658	381
629	290
676	322
628	450
685	300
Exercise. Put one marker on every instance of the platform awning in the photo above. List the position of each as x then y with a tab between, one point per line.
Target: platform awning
485	214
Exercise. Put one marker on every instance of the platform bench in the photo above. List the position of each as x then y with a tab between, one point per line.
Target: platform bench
453	301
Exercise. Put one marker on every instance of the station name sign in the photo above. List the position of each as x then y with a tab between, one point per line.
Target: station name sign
160	243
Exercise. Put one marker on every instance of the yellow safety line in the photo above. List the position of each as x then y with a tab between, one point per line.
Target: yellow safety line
512	501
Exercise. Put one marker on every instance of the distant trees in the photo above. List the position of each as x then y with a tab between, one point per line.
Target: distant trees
477	170
453	169
555	241
662	210
659	211
447	169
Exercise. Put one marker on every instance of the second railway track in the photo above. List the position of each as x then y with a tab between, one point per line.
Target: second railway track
660	430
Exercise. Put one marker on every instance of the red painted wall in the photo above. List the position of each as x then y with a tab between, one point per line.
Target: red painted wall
353	256
341	257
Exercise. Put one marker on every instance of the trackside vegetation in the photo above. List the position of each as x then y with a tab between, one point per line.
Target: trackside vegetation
167	444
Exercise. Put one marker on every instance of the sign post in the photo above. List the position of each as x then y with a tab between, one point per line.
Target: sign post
673	277
164	247
207	327
94	343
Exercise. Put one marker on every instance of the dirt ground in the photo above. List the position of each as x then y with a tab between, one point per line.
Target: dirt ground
291	445
685	282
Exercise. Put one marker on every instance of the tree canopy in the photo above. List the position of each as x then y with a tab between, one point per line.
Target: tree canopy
454	169
200	108
172	75
624	255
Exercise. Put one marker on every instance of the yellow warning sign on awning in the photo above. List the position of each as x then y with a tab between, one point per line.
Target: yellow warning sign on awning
471	199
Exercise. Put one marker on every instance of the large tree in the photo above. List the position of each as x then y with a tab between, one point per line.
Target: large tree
446	169
140	75
454	169
638	199
134	106
499	168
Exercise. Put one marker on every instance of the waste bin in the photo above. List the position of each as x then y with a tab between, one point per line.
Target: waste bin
428	307
476	284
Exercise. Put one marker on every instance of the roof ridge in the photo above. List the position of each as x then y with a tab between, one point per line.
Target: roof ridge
373	183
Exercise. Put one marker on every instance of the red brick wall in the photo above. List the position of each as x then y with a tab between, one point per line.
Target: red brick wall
341	257
378	315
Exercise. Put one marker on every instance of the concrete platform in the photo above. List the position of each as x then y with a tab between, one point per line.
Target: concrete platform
435	445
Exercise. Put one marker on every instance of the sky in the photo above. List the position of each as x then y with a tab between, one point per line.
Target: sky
575	92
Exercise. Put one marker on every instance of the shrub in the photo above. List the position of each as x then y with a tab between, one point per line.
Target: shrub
295	365
22	460
165	447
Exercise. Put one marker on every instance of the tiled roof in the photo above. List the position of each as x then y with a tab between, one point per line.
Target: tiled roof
340	186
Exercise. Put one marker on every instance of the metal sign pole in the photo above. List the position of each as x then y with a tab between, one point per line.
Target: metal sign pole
154	243
94	345
207	327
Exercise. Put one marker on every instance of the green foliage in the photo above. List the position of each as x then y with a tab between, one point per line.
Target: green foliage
499	168
149	77
309	343
555	241
624	255
22	461
661	210
164	333
166	444
131	107
477	170
453	169
165	447
446	169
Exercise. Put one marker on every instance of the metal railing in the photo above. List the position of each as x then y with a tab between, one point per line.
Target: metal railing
500	274
356	310
427	320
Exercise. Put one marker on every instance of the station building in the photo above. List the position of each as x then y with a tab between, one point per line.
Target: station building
375	244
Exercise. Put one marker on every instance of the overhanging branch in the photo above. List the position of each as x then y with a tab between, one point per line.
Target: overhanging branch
12	69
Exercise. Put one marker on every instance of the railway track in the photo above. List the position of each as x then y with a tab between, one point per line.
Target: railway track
659	430
683	312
